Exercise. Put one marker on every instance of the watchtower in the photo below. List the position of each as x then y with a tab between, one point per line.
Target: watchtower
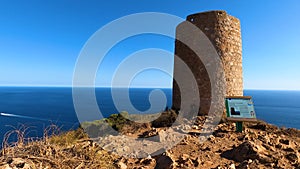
224	32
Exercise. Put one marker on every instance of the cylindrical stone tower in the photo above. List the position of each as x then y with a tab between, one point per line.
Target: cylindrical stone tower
224	32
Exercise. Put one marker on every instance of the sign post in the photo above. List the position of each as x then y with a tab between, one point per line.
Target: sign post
240	109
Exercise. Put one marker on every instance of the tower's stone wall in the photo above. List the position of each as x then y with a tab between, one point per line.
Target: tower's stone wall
224	32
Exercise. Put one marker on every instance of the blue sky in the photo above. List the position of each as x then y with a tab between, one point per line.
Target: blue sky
41	40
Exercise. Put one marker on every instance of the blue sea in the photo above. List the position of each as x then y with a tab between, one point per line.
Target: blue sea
39	107
281	108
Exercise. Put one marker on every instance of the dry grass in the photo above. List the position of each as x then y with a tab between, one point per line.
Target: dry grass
71	149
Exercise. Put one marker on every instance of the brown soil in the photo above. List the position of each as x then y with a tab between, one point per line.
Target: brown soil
260	145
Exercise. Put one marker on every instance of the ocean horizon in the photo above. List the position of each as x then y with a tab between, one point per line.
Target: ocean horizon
39	107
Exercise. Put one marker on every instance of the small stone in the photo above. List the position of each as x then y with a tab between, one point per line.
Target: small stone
292	157
220	135
147	161
208	163
9	160
122	165
126	148
241	137
211	138
196	162
286	142
184	142
20	165
184	157
202	138
232	166
289	149
18	162
279	146
164	162
206	149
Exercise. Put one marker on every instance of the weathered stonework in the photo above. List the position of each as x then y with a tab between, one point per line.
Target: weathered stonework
224	32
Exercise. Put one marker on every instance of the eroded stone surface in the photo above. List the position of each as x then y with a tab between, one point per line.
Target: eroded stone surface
224	32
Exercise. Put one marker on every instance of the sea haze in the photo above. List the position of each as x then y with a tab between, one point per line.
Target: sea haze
38	107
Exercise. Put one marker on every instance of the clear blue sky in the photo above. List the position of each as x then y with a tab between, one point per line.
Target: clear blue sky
41	40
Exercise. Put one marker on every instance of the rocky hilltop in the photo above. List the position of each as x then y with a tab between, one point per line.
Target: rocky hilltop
260	145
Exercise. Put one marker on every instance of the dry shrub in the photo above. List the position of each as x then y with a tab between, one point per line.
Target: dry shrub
71	149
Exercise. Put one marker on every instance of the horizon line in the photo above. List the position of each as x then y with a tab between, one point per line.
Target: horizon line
68	86
164	87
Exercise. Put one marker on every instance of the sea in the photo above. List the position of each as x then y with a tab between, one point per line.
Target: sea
36	108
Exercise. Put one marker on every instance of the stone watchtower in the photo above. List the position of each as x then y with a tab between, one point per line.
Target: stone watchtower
224	32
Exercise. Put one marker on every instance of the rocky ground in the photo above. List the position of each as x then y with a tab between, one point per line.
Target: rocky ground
260	145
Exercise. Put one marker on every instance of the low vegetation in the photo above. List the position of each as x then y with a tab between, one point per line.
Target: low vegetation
71	149
260	145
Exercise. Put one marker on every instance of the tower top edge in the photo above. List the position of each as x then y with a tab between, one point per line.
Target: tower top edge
209	14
